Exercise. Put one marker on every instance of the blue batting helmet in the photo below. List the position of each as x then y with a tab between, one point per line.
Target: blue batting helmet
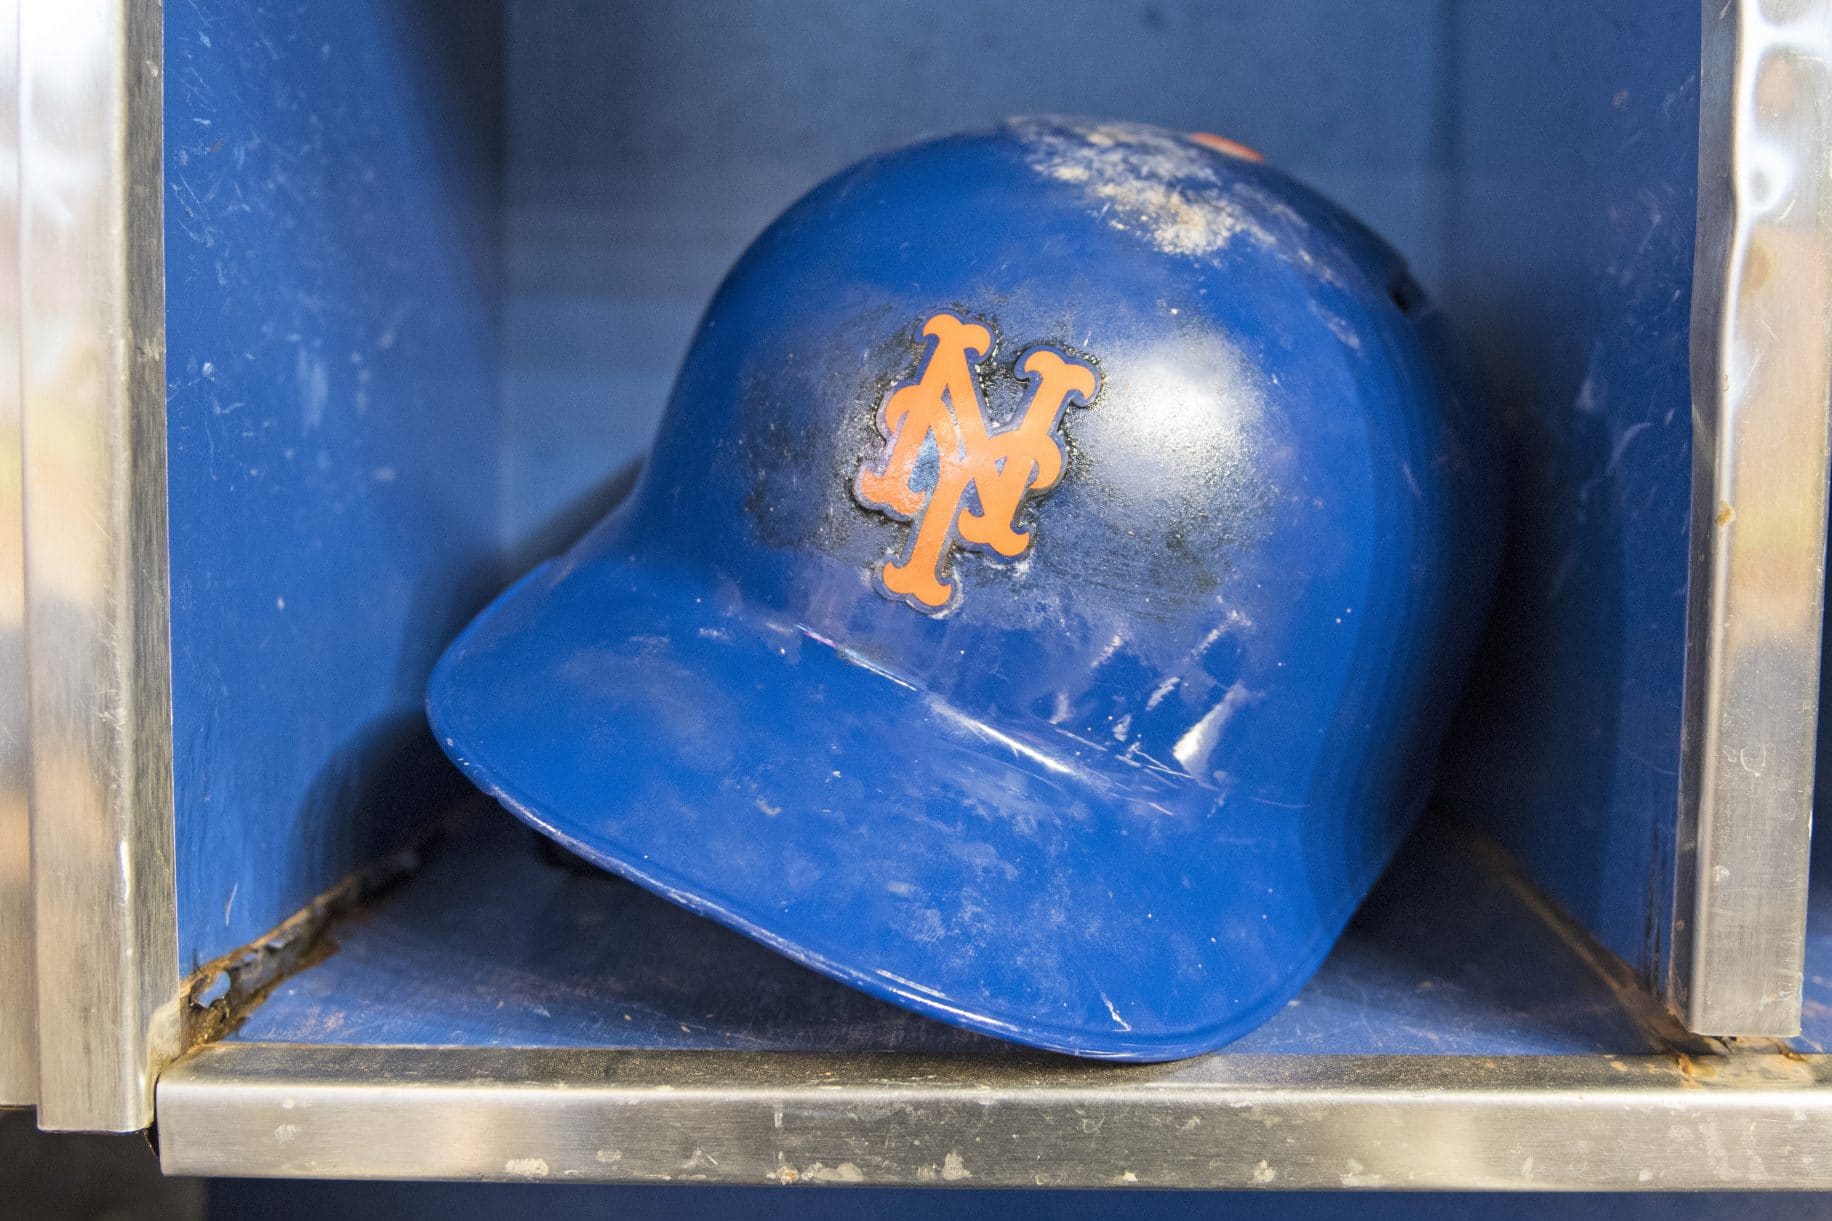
1042	603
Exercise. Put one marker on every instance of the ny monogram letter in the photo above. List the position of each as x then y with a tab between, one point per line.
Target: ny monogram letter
1003	468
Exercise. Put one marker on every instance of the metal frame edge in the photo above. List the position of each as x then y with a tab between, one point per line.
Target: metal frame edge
98	671
1638	1122
18	970
1761	358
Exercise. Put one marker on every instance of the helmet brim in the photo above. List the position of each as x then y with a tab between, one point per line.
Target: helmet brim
1024	884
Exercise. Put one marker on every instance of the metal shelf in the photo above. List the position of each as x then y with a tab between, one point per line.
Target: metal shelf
1248	1121
505	1016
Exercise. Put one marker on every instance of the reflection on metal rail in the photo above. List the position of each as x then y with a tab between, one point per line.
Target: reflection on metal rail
98	670
1761	371
1535	1123
18	988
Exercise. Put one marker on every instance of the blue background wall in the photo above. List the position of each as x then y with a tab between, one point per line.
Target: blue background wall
334	447
1568	248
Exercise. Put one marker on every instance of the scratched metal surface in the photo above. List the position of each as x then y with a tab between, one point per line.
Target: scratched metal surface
333	440
501	943
1816	980
1816	975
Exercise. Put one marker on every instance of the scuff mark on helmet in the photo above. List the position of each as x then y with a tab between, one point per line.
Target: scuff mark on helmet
1143	180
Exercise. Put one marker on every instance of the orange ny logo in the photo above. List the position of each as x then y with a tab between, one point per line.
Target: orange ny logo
1002	468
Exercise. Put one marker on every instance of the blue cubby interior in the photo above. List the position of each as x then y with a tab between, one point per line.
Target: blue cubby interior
430	270
505	941
334	439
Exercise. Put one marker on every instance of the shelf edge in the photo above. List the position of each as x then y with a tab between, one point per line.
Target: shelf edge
1637	1122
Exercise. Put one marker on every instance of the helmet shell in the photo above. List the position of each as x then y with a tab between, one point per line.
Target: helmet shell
1042	603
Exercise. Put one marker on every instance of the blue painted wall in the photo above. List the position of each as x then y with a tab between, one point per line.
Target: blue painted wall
333	431
1569	222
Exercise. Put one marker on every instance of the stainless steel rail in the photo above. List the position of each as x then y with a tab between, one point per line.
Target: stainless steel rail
1752	1121
1761	375
18	977
98	671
